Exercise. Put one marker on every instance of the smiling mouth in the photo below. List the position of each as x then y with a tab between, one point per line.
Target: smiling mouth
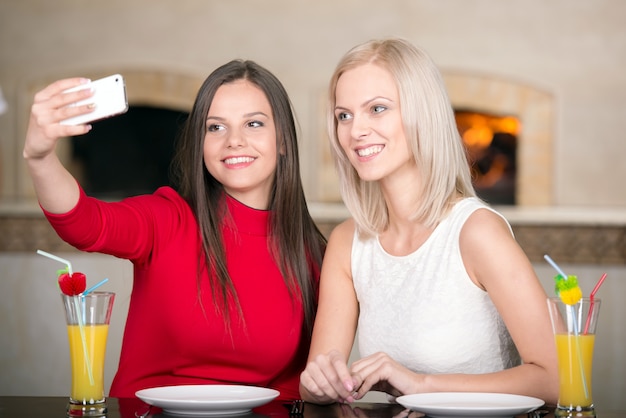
369	151
238	160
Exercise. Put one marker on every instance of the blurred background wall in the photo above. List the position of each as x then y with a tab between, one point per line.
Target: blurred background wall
574	50
570	53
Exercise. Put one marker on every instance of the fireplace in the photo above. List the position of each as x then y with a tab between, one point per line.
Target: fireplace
129	154
530	112
491	142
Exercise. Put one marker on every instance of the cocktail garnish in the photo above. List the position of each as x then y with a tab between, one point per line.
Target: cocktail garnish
73	284
567	289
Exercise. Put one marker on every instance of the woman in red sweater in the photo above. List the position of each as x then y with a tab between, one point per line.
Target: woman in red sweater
226	266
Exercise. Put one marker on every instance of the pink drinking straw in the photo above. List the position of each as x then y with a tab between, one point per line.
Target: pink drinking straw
591	299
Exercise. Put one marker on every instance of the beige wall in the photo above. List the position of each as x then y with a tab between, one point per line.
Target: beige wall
574	50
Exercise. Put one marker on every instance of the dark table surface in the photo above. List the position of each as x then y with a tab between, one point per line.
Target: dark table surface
55	407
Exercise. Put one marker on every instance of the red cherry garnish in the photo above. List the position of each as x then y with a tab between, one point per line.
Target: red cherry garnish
72	285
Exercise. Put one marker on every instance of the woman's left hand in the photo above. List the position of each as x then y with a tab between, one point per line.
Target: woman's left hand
382	373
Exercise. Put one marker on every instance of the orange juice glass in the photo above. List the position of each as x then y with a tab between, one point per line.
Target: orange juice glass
88	319
574	329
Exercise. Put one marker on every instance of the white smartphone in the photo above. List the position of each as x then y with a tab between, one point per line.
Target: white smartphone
109	99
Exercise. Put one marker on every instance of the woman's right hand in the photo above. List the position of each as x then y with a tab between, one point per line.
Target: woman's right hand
327	379
49	108
56	188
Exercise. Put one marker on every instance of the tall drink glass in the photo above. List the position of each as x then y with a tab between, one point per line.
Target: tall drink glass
88	320
574	329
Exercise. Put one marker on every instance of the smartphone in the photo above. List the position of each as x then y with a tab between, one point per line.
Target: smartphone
109	99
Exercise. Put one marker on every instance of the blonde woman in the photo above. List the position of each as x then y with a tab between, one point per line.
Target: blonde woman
443	296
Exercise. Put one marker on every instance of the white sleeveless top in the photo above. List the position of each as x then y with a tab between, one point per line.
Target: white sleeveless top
424	311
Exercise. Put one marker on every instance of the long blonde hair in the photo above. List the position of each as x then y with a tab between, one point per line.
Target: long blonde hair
430	129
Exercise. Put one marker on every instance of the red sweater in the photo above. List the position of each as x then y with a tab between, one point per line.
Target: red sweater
169	338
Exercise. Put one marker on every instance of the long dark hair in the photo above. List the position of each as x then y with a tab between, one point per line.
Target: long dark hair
295	241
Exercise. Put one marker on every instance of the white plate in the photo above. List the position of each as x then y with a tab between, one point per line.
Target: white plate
197	400
464	404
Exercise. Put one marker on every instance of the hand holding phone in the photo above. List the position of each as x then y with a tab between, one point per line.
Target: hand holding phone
109	99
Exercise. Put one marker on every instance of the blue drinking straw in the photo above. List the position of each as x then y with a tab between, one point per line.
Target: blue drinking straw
556	267
94	287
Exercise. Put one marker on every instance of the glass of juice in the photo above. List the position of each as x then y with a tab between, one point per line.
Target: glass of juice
88	317
574	329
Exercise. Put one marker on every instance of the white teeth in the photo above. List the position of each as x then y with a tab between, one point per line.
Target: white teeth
238	160
366	152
